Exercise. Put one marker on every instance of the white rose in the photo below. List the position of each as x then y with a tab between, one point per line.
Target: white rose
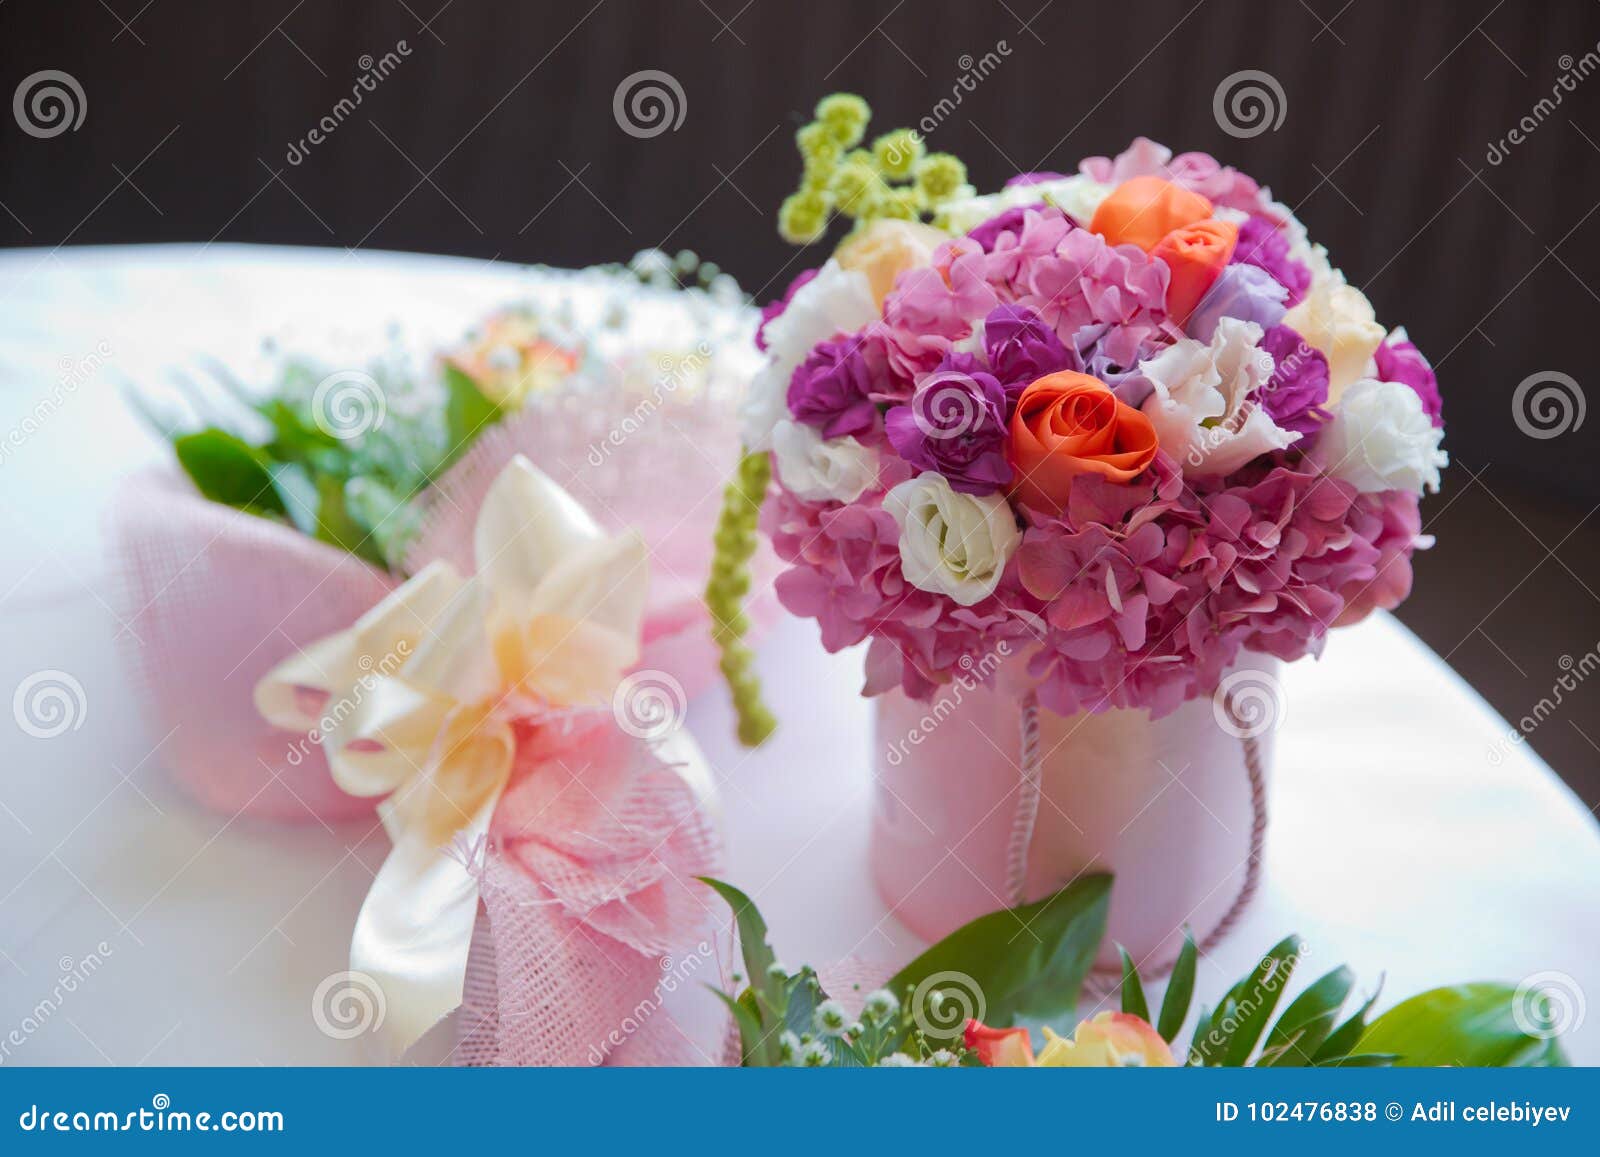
1381	438
1201	407
1337	319
950	543
835	301
818	470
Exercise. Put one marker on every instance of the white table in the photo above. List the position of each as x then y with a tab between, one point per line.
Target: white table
1396	844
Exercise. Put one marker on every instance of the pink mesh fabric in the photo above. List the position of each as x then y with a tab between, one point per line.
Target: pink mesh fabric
662	474
588	897
214	599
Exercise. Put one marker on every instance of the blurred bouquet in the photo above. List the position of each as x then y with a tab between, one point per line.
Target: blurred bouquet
1129	421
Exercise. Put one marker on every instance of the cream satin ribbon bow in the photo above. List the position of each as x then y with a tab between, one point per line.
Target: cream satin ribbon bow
418	700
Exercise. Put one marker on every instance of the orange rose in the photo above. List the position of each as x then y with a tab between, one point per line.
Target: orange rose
1067	424
1003	1048
1196	254
1143	210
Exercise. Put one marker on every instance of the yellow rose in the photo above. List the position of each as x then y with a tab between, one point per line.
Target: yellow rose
1337	319
887	248
1109	1040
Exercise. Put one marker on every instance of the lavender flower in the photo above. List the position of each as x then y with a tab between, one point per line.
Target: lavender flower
955	424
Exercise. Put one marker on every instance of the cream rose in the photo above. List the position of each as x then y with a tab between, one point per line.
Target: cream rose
1337	319
822	470
1381	438
1201	407
835	301
950	543
887	248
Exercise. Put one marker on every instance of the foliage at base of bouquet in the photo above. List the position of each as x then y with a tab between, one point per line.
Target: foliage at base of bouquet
971	999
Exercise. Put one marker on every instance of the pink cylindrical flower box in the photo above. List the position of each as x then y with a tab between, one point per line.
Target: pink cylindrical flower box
1173	807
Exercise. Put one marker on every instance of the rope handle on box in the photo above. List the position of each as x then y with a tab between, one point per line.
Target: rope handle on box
1103	981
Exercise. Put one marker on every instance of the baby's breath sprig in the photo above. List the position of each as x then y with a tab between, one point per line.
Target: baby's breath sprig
734	544
896	178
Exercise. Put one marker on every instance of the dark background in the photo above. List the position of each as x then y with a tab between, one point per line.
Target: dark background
496	138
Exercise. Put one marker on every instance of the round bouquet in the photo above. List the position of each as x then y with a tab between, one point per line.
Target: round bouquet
1128	426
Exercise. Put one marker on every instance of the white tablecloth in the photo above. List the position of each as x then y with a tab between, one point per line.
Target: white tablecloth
1397	844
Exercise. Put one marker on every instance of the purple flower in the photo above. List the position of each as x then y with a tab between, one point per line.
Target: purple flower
1400	361
832	388
1022	349
1262	244
1246	292
955	424
1010	221
1299	383
773	309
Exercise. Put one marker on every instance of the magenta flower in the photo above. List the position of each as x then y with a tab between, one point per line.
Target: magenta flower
1022	349
1263	244
1400	361
832	389
1298	386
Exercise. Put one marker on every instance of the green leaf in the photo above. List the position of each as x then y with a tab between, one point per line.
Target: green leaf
1343	1039
298	493
336	525
1180	990
1359	1061
749	1026
1467	1025
228	470
467	412
1133	1001
769	996
1300	1031
1202	1026
1026	962
1246	1010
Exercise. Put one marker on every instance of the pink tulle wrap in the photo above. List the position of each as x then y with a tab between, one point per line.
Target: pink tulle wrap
584	892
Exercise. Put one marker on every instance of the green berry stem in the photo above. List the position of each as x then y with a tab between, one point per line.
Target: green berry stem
735	544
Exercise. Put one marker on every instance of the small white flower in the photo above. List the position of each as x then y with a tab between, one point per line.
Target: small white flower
814	1054
818	470
1382	439
951	543
943	1059
835	301
1201	408
879	1006
830	1018
788	1047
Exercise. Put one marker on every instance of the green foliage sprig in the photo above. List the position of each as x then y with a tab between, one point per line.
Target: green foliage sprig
895	178
733	547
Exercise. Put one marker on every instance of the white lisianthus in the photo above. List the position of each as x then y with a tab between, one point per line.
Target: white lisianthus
1201	407
822	470
951	543
1078	196
1337	319
1381	438
835	301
